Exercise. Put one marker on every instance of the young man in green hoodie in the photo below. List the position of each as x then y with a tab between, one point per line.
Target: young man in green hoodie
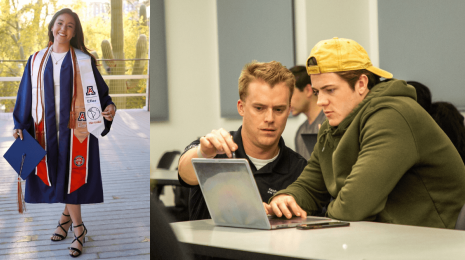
379	155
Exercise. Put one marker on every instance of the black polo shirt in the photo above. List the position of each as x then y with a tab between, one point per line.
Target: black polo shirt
274	176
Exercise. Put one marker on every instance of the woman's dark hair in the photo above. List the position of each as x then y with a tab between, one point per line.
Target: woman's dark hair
423	94
451	122
78	40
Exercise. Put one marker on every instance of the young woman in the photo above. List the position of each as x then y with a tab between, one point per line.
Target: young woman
63	102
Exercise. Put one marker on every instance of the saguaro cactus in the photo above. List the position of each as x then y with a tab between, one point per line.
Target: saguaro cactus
139	65
143	15
107	54
115	50
141	49
95	54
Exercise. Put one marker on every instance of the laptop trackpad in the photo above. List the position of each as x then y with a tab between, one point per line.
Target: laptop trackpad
282	222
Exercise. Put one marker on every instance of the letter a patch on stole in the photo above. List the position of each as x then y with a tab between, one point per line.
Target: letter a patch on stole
82	116
78	163
90	91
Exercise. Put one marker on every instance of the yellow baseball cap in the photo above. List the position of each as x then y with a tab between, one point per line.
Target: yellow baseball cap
337	55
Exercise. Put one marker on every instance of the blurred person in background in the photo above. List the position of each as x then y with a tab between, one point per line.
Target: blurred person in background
304	101
423	94
451	122
445	114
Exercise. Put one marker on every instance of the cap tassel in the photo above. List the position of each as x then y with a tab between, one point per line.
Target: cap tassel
21	202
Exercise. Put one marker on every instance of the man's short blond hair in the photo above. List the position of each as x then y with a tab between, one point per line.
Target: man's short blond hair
272	72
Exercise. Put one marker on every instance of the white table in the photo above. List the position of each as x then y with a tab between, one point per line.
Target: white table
166	177
362	240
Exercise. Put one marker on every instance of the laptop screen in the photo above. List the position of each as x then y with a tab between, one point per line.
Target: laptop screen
230	192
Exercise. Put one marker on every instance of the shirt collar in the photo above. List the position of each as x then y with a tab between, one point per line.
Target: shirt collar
280	165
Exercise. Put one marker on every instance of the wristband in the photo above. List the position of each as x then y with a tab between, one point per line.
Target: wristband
200	154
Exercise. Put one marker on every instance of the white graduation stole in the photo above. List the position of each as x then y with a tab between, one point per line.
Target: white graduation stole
79	153
93	115
41	169
37	97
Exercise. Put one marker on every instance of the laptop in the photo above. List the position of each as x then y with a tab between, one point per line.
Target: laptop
310	141
232	196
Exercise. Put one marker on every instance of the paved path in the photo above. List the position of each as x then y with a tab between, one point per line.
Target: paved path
118	228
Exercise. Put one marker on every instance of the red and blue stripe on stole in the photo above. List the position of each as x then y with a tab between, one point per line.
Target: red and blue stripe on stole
41	168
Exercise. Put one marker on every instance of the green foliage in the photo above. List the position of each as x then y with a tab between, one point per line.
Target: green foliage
23	30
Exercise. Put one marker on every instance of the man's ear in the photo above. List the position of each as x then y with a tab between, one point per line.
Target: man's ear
240	107
308	91
361	86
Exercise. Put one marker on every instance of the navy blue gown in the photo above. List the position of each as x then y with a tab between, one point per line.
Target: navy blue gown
58	153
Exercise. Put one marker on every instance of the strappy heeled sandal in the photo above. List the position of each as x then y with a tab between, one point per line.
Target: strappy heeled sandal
64	230
84	232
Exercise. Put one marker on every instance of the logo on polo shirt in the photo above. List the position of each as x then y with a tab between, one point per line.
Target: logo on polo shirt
271	191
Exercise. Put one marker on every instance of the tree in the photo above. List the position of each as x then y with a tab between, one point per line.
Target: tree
23	30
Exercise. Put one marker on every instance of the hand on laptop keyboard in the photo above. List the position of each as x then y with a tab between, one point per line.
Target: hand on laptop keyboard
267	208
285	205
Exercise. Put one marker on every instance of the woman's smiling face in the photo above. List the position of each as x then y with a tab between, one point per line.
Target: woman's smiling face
64	29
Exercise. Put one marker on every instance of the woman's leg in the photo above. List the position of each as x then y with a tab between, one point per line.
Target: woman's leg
63	219
75	212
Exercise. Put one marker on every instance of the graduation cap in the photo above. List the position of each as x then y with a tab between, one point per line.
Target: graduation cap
24	155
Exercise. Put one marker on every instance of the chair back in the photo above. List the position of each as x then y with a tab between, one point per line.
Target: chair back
167	159
460	224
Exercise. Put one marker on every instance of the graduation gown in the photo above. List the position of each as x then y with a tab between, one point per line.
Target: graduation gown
58	153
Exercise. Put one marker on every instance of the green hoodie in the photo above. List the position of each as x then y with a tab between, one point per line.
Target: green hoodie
387	161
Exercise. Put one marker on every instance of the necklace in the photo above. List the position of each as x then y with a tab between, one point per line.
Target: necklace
56	63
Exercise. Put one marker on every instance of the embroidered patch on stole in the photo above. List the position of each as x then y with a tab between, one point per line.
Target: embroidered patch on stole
78	163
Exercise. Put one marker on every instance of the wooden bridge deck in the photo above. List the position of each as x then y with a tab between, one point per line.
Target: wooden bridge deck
119	228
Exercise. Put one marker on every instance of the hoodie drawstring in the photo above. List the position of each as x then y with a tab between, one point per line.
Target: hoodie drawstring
327	135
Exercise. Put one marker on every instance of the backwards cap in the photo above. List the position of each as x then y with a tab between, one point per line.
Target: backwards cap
337	55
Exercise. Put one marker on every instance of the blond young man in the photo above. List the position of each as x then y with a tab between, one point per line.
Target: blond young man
380	155
265	91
